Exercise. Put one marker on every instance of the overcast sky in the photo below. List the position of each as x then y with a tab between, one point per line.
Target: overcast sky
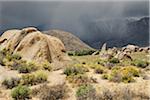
68	16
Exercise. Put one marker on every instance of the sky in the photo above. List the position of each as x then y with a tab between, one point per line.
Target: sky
66	15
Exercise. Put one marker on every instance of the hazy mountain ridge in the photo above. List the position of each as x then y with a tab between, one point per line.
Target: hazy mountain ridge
118	32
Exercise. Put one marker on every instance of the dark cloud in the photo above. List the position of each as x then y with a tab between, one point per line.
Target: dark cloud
68	16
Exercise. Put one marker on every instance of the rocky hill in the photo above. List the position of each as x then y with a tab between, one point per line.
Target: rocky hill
71	42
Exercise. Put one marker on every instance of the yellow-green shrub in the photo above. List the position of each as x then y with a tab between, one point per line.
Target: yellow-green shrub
34	78
124	74
73	70
40	76
99	69
86	92
21	93
114	60
27	67
46	66
140	63
105	76
132	70
28	79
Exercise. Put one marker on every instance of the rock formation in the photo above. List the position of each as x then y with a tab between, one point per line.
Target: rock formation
104	47
32	44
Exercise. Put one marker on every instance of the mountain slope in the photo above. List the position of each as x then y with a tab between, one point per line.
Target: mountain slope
117	32
71	42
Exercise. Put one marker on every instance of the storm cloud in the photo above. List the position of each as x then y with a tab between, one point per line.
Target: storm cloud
69	16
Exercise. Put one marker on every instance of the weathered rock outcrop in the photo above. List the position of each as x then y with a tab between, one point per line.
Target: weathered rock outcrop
130	48
32	44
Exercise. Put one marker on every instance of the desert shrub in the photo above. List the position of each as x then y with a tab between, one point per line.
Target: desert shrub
73	70
124	74
81	53
28	79
140	63
114	60
123	92
127	78
11	57
106	94
86	92
40	76
34	78
16	64
2	61
27	67
105	76
7	56
82	66
47	66
5	51
71	53
21	93
16	56
45	92
115	76
79	79
99	70
131	70
3	54
11	82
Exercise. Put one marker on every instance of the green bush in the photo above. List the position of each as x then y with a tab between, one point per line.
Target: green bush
47	66
21	93
114	60
99	70
16	56
27	68
12	57
86	92
105	76
2	61
9	59
81	53
11	82
34	78
16	64
73	71
140	63
71	53
28	79
3	54
40	76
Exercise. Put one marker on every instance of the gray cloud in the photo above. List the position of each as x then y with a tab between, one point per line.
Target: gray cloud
68	16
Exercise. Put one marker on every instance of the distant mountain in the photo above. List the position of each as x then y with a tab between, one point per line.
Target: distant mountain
118	32
70	41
